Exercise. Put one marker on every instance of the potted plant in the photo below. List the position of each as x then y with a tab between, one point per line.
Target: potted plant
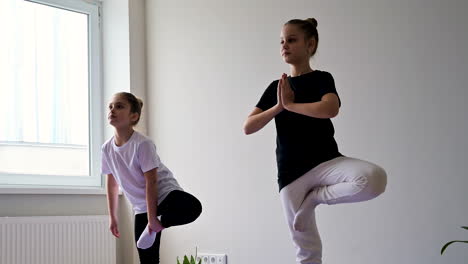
186	260
451	242
191	261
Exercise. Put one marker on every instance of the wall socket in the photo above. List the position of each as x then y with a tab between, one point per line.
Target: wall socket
207	258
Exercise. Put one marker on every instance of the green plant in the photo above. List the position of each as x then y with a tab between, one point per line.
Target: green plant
451	242
186	260
192	259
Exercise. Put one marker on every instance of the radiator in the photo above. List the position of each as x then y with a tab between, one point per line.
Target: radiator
56	240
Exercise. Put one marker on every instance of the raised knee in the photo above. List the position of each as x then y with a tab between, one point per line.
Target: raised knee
379	178
197	209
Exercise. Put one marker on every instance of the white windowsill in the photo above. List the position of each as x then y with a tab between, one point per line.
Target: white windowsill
52	190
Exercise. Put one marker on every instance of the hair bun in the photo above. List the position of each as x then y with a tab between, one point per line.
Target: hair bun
313	21
140	102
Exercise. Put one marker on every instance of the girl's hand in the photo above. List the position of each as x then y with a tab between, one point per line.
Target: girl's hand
279	105
155	225
287	94
113	227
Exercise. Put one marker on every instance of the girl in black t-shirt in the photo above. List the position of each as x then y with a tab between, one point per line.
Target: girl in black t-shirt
311	170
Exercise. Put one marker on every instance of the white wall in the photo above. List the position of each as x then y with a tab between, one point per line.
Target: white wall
401	70
137	48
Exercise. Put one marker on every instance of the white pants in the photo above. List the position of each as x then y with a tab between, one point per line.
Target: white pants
340	180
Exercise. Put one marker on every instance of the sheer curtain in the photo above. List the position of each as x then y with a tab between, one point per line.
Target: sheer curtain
43	74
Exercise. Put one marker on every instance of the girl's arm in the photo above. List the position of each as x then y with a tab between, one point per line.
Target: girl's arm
112	188
328	107
259	118
151	178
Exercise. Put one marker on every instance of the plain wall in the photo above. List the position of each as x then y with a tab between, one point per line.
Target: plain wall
400	68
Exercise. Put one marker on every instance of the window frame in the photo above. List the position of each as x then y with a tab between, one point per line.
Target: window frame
18	183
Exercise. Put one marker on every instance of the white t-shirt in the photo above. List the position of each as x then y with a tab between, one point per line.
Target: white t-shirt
127	164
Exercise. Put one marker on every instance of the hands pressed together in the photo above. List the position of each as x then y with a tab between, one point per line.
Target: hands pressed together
285	93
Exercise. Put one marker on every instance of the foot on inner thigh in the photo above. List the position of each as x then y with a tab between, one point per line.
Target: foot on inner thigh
305	214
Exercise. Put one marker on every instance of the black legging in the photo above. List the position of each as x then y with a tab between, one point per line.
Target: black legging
178	208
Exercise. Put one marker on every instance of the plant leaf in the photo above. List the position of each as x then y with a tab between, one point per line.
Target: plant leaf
186	261
192	260
178	262
451	242
465	227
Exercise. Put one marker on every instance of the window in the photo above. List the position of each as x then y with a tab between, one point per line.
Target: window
50	121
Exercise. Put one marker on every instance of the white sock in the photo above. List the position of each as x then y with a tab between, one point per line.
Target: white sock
146	239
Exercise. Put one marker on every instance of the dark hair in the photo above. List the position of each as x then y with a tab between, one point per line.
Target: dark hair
309	27
136	104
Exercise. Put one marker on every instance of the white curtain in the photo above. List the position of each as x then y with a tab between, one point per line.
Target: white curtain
43	74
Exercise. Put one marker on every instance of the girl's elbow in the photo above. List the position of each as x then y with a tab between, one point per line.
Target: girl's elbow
334	112
247	130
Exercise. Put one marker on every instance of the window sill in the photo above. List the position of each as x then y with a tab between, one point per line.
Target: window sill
52	190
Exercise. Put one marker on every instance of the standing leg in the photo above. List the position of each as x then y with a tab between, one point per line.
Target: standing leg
151	254
307	243
341	180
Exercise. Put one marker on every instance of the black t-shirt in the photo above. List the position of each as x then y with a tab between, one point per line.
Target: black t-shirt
302	142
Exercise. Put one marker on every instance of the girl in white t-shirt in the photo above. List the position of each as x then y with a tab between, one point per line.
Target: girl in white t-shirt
130	161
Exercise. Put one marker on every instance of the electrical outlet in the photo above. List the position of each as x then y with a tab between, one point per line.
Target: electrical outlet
208	258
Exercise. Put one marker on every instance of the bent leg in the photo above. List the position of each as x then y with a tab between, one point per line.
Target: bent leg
179	208
341	180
